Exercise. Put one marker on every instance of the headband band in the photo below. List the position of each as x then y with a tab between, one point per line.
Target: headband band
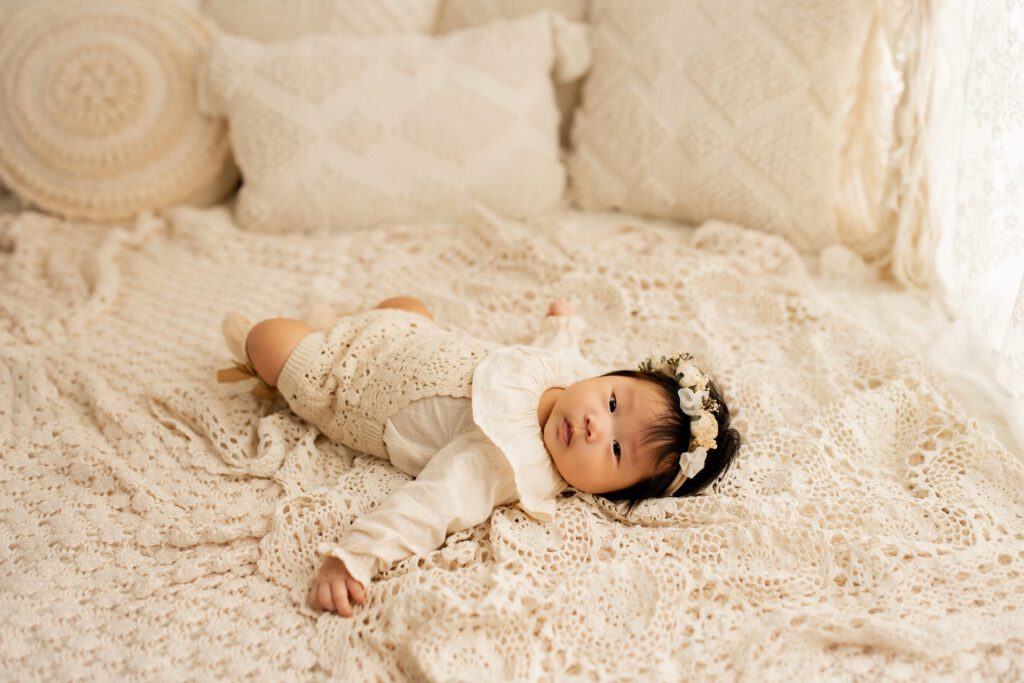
695	401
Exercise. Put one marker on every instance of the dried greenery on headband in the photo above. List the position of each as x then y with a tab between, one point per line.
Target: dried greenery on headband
695	401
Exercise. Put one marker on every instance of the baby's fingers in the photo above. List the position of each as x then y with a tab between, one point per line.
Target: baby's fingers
340	592
560	307
355	590
323	595
312	599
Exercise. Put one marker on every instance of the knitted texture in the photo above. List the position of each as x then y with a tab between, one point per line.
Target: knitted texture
456	15
273	20
323	145
367	367
156	524
777	115
98	115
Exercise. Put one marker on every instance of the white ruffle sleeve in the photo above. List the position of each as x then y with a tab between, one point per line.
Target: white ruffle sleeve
507	386
500	460
559	332
457	489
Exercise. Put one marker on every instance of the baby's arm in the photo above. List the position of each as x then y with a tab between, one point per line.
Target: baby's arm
335	589
561	307
458	489
561	328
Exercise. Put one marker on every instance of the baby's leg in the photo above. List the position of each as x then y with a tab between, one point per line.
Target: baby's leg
406	303
269	344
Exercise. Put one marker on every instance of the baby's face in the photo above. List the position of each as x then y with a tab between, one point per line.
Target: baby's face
594	430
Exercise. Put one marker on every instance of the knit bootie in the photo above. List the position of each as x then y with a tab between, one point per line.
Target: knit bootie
235	328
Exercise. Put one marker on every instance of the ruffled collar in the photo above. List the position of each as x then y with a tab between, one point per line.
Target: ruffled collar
507	386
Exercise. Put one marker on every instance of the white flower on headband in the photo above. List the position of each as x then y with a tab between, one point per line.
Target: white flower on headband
692	462
704	430
689	401
690	375
695	401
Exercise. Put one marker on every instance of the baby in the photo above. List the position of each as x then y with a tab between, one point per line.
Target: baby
478	424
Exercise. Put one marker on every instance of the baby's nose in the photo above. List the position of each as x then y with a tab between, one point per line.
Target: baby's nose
593	427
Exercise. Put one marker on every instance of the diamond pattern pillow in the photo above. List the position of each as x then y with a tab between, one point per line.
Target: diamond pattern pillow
333	133
770	113
454	15
276	20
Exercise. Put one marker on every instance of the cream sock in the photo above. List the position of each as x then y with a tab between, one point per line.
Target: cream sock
235	328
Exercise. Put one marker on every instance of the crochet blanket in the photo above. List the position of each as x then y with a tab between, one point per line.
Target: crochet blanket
156	523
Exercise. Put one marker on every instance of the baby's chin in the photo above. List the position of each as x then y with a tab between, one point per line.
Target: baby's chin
549	435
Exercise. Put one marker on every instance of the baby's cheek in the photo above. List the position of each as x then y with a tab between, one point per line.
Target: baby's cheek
587	476
565	469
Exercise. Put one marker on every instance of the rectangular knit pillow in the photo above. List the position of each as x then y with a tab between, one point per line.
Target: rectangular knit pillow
454	15
774	114
340	133
276	20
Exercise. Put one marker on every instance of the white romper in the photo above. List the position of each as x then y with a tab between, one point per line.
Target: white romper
468	456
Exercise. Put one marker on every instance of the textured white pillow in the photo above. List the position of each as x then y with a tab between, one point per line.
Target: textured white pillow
457	14
770	113
334	133
454	15
98	117
277	20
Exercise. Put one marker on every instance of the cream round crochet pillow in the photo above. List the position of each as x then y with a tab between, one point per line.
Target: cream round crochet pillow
98	117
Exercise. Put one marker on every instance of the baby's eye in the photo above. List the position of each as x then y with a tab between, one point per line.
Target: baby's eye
616	449
612	403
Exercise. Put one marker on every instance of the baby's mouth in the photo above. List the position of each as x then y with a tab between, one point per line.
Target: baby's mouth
566	432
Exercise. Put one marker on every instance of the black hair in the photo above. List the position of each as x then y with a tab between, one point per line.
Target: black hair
671	437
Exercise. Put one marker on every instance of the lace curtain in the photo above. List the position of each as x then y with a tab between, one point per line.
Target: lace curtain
979	191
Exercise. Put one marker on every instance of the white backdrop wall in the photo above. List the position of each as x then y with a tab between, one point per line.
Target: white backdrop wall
979	194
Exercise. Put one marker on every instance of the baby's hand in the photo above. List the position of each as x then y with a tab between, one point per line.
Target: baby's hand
334	588
561	307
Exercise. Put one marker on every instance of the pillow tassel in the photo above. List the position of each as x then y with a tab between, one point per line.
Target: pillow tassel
572	48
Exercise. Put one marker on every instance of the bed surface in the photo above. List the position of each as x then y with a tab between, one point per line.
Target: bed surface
907	319
155	521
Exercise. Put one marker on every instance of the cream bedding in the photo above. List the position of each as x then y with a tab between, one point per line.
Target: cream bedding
153	522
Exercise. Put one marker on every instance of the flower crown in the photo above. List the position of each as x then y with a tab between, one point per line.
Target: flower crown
694	401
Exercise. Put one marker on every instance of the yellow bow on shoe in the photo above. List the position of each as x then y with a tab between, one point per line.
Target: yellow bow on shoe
242	372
